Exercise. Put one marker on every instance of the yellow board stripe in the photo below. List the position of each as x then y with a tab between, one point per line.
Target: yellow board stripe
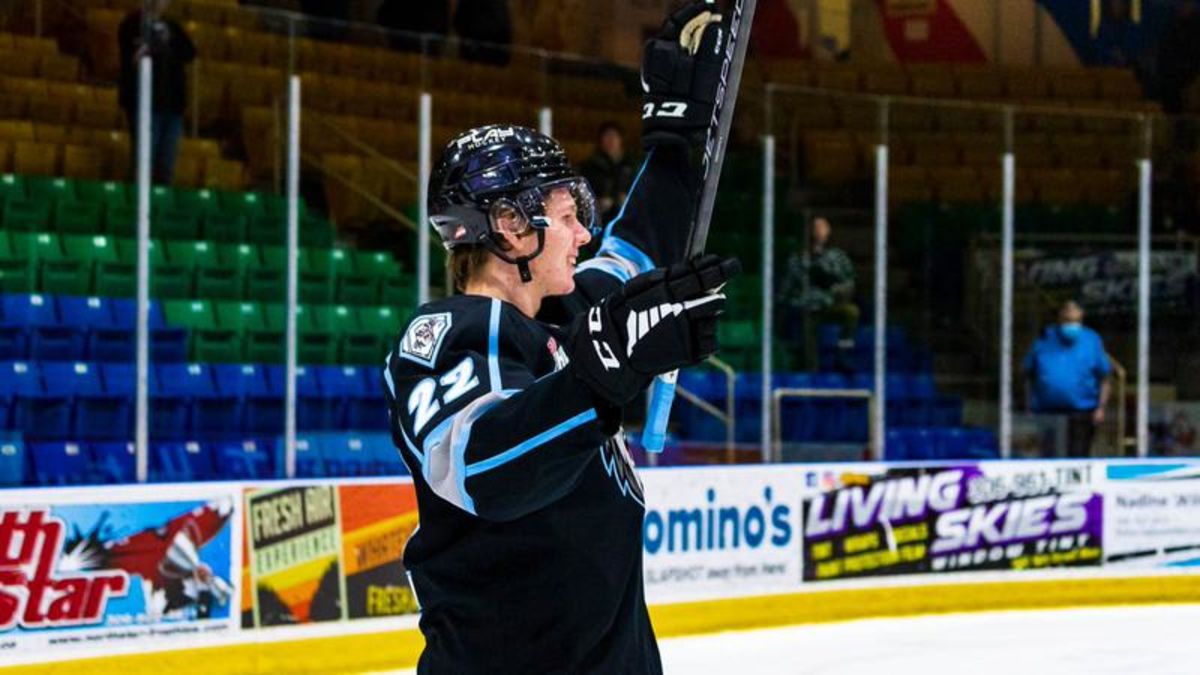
400	649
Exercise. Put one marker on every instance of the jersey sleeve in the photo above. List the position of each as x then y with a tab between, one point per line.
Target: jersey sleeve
650	230
486	434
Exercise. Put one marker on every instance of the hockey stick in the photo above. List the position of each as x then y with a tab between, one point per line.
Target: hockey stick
662	391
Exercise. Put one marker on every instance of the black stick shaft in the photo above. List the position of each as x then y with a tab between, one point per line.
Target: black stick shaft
722	121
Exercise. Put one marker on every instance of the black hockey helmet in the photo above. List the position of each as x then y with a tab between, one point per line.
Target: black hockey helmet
501	167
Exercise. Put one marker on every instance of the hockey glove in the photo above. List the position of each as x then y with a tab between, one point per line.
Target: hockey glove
681	73
660	321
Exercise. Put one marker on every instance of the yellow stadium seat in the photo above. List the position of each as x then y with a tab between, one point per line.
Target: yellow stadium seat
200	147
83	162
106	96
934	149
958	184
980	149
909	184
34	45
71	91
1058	186
116	146
204	12
46	109
189	171
36	159
209	40
16	130
18	63
1078	150
55	66
6	151
830	157
903	116
49	133
246	47
101	36
224	174
838	78
99	116
980	83
13	105
395	67
6	41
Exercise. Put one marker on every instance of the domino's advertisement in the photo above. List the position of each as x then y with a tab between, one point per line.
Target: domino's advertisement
719	531
90	574
875	520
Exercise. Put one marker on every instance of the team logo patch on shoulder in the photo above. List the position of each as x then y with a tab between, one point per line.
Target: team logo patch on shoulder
423	339
561	360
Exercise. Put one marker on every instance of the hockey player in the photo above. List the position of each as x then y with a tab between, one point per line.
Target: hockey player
505	401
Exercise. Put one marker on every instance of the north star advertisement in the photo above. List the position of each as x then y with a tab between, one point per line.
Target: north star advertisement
871	520
720	531
1152	515
83	575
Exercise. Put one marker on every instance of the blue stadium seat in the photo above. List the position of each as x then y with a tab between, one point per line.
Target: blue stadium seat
104	339
981	444
897	446
347	455
114	462
12	460
181	461
167	344
20	387
30	329
258	406
91	411
187	402
243	460
347	387
60	463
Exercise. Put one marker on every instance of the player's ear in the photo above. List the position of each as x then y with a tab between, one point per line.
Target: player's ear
509	226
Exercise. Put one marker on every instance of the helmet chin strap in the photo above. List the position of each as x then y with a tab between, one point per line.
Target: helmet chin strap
522	262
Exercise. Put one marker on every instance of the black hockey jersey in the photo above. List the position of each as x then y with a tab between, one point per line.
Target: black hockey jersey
528	557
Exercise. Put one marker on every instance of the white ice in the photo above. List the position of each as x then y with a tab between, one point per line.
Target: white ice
1158	639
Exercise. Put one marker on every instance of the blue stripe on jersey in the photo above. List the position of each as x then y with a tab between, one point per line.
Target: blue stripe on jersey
636	179
494	347
619	248
525	446
609	266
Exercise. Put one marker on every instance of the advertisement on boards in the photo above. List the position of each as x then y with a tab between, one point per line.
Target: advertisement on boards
721	531
875	520
83	575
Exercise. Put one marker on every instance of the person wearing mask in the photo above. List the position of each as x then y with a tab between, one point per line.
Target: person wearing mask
818	288
1067	370
150	33
609	170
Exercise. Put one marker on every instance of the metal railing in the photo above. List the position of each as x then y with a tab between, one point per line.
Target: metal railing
778	396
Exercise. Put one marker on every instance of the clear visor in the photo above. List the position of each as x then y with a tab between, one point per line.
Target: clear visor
532	203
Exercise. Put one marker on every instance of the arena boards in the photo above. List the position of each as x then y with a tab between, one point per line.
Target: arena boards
726	549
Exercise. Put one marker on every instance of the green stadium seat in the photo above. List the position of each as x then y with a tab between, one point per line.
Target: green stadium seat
168	279
240	316
27	215
120	220
175	223
79	217
197	201
266	280
248	204
316	232
220	226
17	275
266	229
58	273
44	189
276	205
398	291
161	198
213	277
378	264
377	326
104	193
190	314
12	186
111	274
209	342
313	344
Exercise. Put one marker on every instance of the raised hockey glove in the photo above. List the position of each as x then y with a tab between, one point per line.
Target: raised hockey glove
660	321
681	75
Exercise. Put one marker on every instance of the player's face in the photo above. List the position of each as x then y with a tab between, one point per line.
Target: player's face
554	269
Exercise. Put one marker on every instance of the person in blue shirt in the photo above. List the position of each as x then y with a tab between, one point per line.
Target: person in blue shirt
1068	371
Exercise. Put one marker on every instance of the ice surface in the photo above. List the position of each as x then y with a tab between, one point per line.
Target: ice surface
1157	639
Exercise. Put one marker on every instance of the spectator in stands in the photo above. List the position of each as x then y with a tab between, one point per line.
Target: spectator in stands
150	33
1068	371
421	27
609	170
486	29
818	288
